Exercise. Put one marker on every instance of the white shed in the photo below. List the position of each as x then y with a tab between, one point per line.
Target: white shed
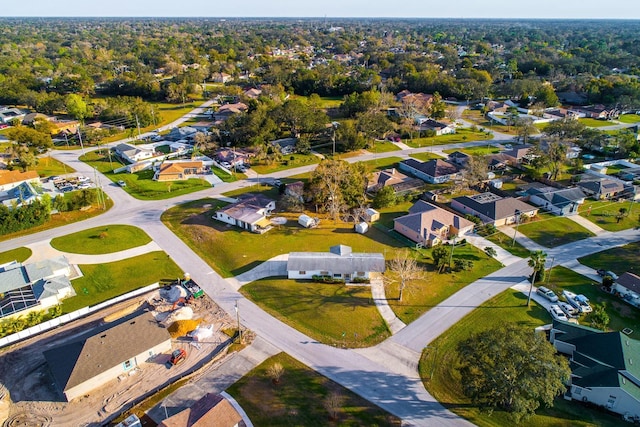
371	215
306	221
362	227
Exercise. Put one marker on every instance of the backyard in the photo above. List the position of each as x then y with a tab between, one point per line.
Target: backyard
606	214
334	314
298	398
101	240
618	260
550	231
439	363
101	282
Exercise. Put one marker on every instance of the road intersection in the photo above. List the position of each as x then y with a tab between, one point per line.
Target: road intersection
385	374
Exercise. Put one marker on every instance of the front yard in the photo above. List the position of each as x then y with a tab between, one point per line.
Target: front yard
48	166
101	282
619	260
606	214
298	398
550	231
289	162
19	254
439	363
338	315
461	135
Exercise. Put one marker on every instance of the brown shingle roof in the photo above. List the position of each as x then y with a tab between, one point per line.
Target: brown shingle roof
8	177
211	410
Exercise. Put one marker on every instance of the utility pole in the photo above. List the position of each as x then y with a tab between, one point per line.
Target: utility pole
138	125
515	233
80	138
66	138
452	248
550	268
238	318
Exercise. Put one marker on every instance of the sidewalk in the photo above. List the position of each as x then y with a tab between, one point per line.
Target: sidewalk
586	224
504	256
380	299
522	239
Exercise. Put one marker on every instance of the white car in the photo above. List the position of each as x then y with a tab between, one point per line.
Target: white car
569	310
547	293
557	314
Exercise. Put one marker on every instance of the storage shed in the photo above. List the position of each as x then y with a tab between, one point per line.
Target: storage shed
362	227
306	221
371	215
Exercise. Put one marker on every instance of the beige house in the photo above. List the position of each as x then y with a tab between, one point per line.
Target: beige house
494	209
11	179
429	224
179	170
106	352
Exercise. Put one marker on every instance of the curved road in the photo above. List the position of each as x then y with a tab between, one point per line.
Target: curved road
385	374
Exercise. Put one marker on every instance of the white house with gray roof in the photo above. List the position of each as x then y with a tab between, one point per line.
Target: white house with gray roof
34	286
558	201
340	263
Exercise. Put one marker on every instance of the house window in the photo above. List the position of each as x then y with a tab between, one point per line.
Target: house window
337	276
361	273
324	273
302	272
127	365
611	402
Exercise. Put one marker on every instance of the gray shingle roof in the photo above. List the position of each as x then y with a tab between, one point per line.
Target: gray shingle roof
494	206
103	348
339	260
23	275
434	168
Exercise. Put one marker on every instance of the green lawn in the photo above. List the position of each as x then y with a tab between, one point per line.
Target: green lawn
595	123
551	231
297	399
422	295
48	166
604	214
629	118
615	169
424	157
461	135
382	163
476	151
382	147
336	314
622	315
439	362
288	162
101	282
264	189
618	260
19	254
102	240
141	185
506	243
231	250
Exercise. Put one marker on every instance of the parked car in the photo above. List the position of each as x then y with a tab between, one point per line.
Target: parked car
547	293
557	313
177	356
121	183
569	310
602	272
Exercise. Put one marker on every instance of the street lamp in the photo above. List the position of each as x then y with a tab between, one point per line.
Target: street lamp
238	318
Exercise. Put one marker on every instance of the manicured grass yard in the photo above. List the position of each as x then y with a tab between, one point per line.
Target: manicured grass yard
140	185
629	118
434	288
615	169
440	359
476	151
461	135
297	399
551	231
48	166
506	243
382	147
595	123
105	281
423	157
102	240
231	251
19	254
322	311
382	163
288	162
619	260
604	214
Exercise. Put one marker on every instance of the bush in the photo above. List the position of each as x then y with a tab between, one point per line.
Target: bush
327	279
360	280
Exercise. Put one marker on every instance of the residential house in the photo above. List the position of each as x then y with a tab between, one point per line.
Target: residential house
227	110
31	118
185	133
458	158
420	101
558	201
439	128
8	114
285	145
598	112
340	263
221	77
400	182
202	126
179	170
11	179
627	286
517	155
601	188
22	194
249	212
497	162
493	209
134	154
232	156
433	171
210	410
429	224
34	286
604	367
252	93
105	353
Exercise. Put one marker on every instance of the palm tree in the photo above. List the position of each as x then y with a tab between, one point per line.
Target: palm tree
537	259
